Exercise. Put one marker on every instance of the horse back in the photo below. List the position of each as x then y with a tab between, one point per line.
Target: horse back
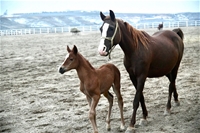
166	52
108	74
109	69
170	39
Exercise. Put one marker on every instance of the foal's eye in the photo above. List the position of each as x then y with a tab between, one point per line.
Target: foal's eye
71	59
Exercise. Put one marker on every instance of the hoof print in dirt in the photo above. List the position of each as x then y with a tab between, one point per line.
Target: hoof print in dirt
143	122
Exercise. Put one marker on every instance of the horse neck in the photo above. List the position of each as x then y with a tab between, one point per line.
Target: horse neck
128	42
84	68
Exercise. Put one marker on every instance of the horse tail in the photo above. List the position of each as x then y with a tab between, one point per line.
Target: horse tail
179	32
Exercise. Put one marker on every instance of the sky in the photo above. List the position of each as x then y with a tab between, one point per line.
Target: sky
123	6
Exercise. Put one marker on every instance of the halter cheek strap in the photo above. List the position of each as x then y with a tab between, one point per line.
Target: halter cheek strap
111	39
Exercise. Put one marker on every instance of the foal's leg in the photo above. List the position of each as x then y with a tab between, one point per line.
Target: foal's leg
89	101
109	96
116	89
92	112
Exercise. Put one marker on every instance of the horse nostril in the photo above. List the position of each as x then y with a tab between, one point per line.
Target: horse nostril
61	70
104	48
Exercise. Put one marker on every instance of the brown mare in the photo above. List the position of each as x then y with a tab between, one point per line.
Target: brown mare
160	26
94	82
144	56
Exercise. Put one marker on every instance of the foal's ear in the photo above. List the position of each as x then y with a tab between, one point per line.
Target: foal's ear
75	50
102	16
68	49
112	15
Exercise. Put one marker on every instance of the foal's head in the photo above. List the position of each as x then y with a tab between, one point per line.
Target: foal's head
70	61
110	33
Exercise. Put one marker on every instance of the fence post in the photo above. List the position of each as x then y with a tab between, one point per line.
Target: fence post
83	29
69	28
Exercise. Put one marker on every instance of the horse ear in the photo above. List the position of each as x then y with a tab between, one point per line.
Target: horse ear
68	49
112	15
75	50
102	16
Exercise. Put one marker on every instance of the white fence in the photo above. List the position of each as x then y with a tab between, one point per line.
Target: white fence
190	23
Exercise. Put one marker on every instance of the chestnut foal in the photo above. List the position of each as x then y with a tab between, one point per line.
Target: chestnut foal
94	82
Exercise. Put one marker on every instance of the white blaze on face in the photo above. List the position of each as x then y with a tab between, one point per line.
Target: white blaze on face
66	56
65	59
104	29
102	47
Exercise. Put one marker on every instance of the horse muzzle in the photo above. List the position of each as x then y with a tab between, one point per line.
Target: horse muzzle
102	50
62	70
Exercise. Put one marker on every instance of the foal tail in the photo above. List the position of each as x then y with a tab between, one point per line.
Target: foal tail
179	32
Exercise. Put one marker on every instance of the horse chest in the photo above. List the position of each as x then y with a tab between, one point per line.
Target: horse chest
135	66
89	89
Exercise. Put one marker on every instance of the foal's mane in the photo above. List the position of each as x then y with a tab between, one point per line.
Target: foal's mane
137	35
85	60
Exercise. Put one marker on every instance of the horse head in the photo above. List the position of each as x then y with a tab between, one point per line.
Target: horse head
110	34
70	61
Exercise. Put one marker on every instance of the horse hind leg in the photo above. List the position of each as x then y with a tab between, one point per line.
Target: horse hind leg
116	89
172	89
109	96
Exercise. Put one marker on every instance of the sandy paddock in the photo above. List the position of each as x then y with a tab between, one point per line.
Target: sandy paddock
35	98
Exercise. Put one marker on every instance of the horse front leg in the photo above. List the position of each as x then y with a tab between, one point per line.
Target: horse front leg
142	101
92	112
139	84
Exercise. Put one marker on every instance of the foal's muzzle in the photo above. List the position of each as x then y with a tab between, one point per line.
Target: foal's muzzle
61	70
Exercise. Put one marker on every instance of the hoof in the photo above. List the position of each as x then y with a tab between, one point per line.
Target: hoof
143	122
122	128
130	130
177	103
167	112
108	128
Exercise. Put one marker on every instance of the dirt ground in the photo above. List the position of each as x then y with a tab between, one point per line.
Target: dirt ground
35	98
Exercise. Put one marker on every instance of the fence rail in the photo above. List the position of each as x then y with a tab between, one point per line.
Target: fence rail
47	30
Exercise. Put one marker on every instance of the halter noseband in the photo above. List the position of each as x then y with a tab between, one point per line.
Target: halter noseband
111	39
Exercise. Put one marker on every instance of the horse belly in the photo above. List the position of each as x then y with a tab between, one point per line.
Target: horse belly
106	78
158	72
162	67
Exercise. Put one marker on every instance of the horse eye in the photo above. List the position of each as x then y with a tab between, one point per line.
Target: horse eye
71	59
111	28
